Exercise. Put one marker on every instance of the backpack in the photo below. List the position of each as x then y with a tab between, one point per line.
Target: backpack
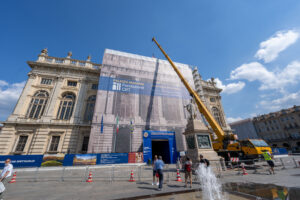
188	167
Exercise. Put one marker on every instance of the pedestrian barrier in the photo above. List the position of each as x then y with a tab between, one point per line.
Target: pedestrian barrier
131	177
143	173
234	159
13	180
178	177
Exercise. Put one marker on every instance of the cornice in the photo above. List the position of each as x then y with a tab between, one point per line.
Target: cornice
33	64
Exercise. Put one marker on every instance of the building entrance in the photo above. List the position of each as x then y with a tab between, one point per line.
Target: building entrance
161	143
161	148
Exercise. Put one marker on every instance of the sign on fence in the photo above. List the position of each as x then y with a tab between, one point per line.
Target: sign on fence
48	160
23	160
113	158
85	159
135	157
279	151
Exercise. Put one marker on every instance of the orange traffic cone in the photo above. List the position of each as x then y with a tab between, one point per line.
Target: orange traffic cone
178	178
13	180
90	179
131	177
244	170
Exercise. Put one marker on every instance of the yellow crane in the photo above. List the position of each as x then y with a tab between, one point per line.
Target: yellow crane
222	143
202	108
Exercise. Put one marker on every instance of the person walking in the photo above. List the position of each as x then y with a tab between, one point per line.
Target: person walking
268	158
204	160
155	174
159	166
188	171
6	172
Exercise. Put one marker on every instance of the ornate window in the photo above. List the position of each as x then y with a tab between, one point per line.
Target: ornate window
72	83
37	105
54	143
46	81
66	106
90	105
217	116
21	143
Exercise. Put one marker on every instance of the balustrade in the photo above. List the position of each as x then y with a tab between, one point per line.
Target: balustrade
67	61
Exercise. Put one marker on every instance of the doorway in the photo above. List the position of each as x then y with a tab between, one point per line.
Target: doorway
161	148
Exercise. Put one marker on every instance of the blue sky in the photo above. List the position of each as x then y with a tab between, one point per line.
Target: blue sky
251	47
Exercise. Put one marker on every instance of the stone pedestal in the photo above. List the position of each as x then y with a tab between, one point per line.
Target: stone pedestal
199	141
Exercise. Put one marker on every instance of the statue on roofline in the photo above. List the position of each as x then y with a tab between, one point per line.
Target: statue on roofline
69	54
44	52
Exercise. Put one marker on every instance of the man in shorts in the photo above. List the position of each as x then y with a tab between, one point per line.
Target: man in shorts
188	171
268	158
159	166
6	172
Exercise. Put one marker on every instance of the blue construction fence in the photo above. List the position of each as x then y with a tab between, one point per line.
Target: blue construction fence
279	151
48	160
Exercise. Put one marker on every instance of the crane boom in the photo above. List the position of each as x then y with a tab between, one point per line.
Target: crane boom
202	108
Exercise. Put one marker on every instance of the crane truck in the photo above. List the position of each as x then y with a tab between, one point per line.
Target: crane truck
226	145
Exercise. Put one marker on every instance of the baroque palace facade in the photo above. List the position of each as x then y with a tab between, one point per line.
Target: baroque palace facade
55	108
55	111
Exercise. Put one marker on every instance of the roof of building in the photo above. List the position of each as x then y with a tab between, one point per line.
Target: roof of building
282	112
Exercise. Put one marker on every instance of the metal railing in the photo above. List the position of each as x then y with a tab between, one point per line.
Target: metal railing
112	173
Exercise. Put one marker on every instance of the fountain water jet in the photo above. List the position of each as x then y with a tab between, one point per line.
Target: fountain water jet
210	185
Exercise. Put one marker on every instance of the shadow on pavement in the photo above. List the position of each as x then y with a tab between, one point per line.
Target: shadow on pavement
148	188
175	186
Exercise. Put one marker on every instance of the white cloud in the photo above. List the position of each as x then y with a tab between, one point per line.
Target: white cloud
270	48
268	79
287	100
233	119
3	83
231	87
9	94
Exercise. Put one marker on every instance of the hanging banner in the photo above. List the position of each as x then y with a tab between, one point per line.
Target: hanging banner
85	159
50	160
113	158
142	87
135	157
22	160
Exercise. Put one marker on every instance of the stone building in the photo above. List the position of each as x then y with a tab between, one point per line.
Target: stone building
244	129
67	106
280	129
55	108
211	96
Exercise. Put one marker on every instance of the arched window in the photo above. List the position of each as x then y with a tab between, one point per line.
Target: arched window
89	111
37	104
66	106
217	115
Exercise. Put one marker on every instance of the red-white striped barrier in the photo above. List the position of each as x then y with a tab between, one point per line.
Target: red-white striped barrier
234	159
